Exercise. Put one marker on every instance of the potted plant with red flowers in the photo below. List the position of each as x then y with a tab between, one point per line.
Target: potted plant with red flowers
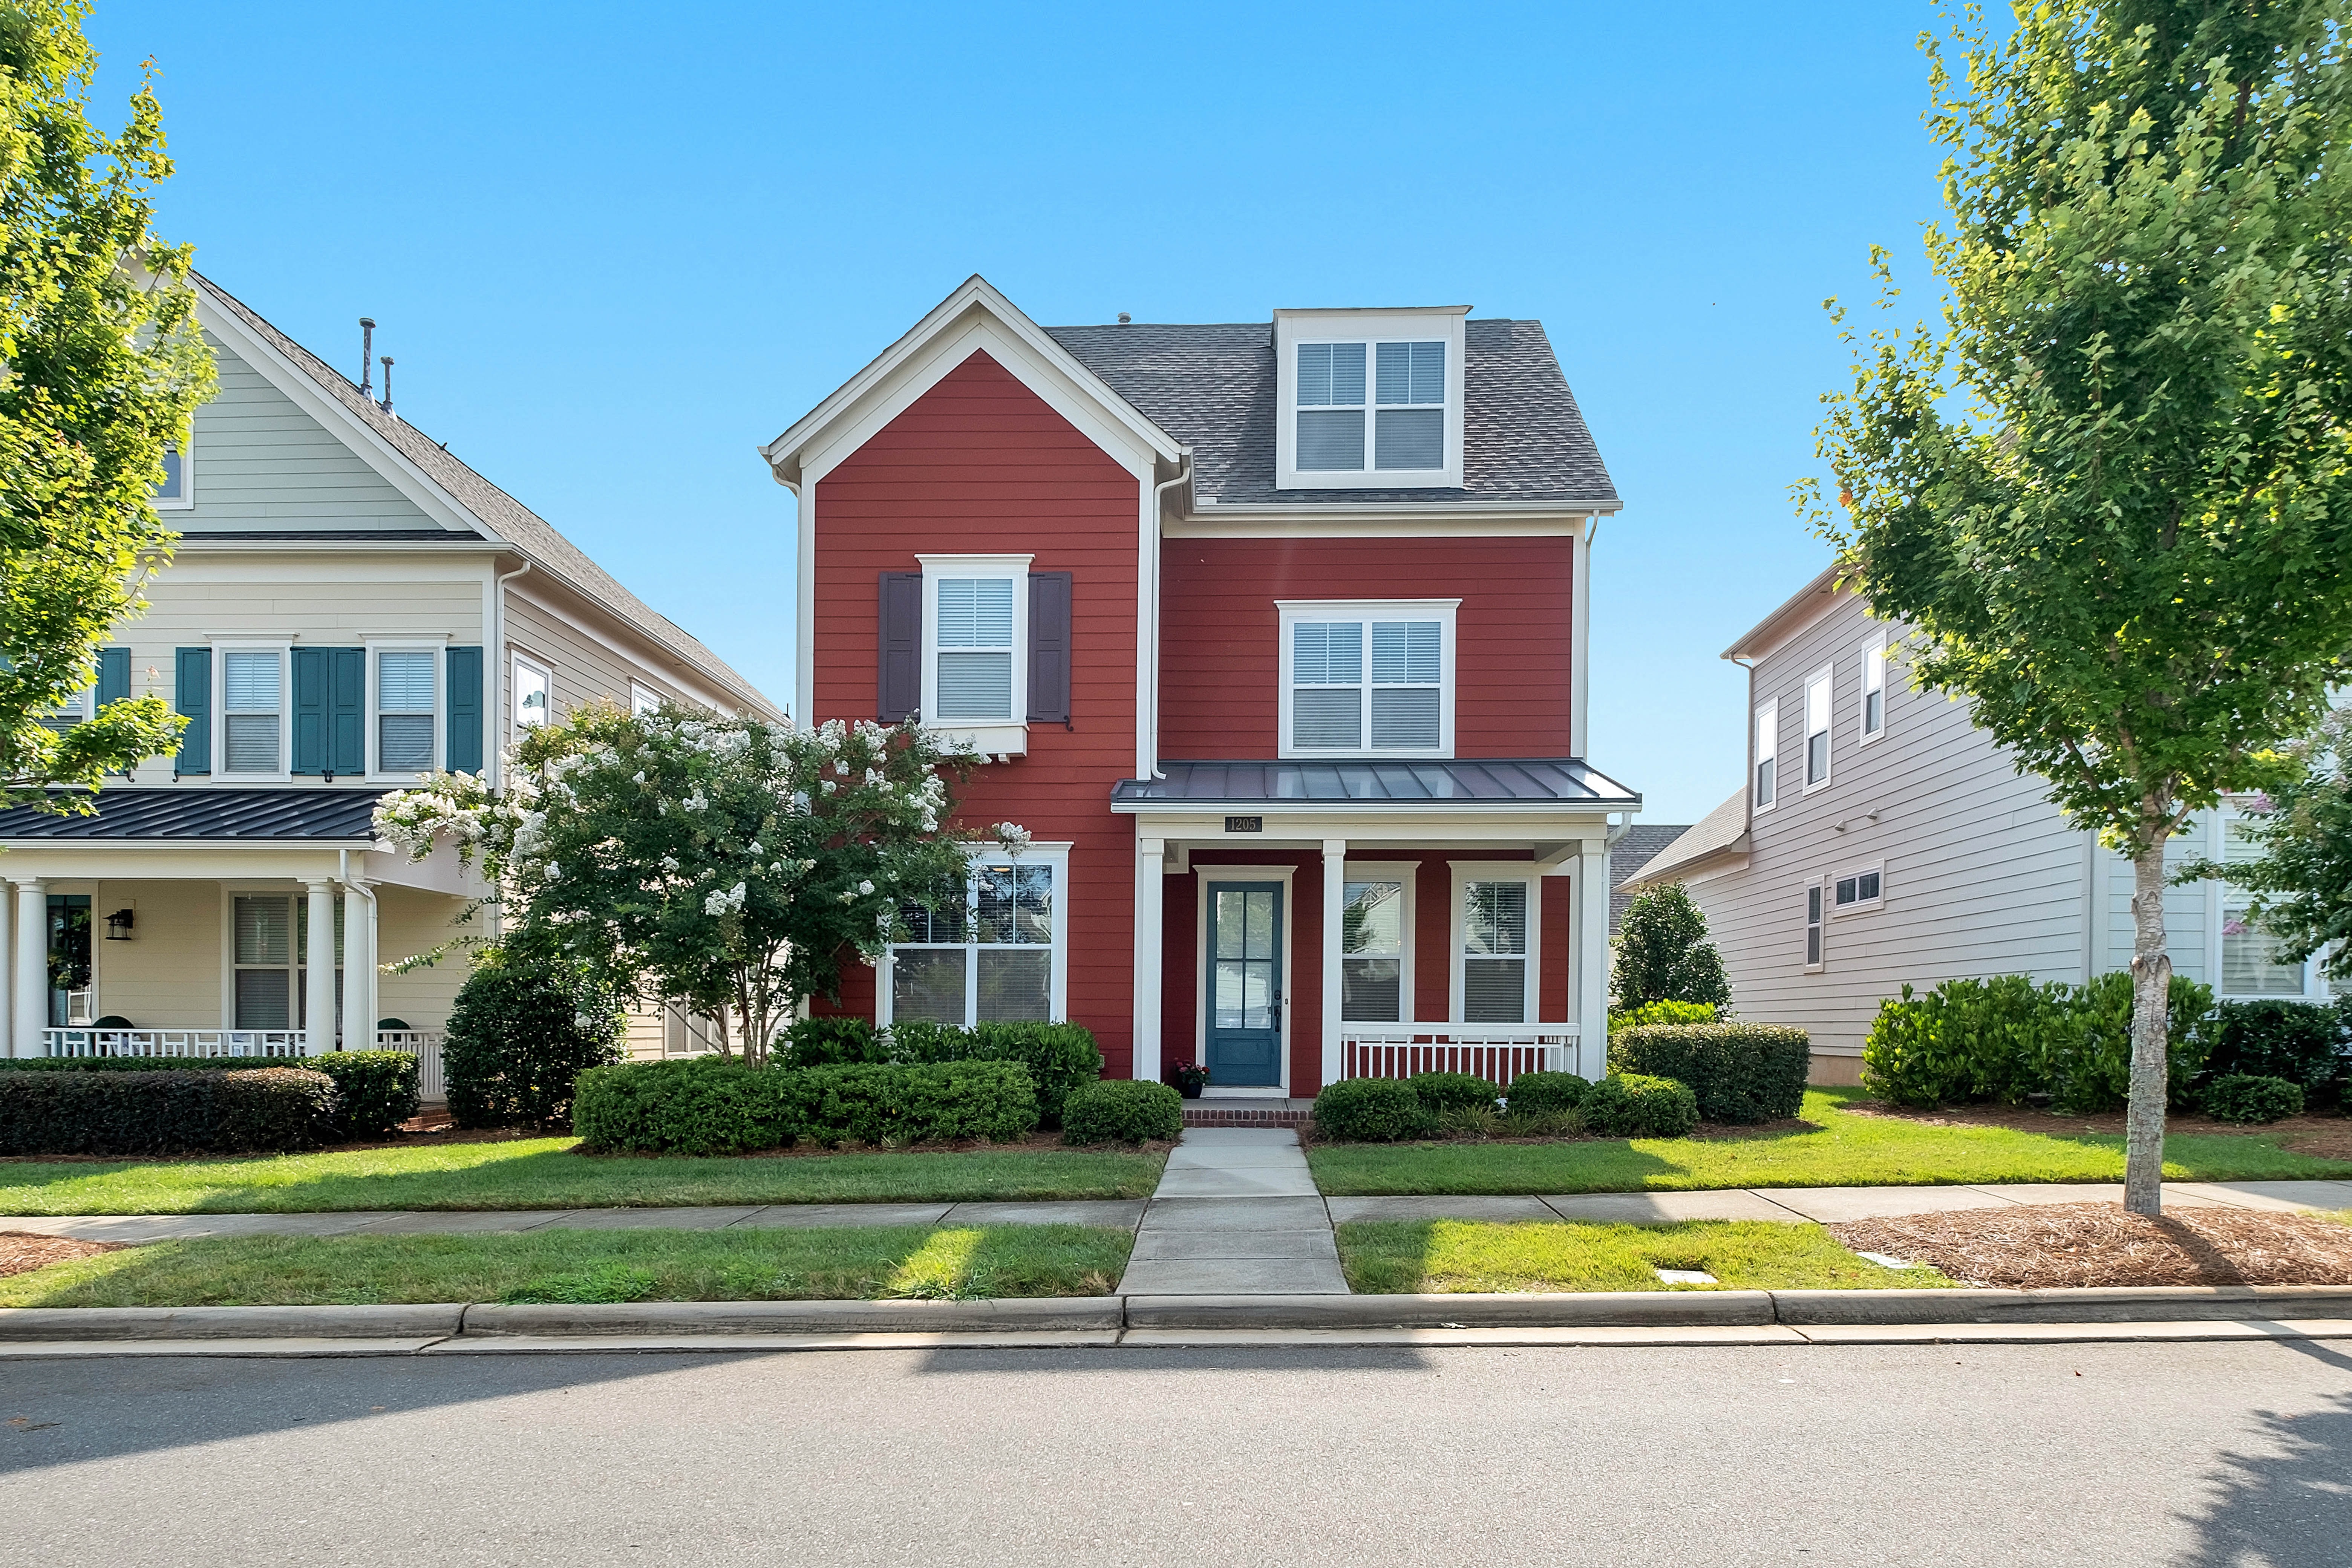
1188	1077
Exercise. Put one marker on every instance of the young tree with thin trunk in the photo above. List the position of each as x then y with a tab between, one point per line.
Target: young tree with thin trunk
2111	496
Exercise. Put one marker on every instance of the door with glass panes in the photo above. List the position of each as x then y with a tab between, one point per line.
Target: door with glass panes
1245	983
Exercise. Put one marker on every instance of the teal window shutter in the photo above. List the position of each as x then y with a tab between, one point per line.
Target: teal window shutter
347	711
464	749
310	710
113	675
193	696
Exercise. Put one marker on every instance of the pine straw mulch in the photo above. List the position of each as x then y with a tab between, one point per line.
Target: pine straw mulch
22	1251
2053	1245
2323	1137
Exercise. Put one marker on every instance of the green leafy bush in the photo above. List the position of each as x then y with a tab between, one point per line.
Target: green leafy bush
830	1040
1443	1091
1740	1072
1665	1012
2252	1097
2298	1041
1060	1057
1543	1093
1369	1111
1634	1105
1663	954
274	1110
524	1028
378	1088
1121	1111
2007	1039
712	1105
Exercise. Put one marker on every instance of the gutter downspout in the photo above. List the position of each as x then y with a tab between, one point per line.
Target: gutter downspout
1158	500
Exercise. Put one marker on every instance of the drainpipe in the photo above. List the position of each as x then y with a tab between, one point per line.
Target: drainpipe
364	940
1158	499
497	674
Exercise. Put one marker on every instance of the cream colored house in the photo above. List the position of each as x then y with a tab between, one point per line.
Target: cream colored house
350	608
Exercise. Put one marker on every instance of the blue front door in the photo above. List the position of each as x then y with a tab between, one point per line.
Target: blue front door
1246	984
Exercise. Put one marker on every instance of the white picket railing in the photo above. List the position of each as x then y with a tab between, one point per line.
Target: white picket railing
1496	1052
424	1045
81	1042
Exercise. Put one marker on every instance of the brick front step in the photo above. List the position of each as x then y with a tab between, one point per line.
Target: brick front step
1246	1112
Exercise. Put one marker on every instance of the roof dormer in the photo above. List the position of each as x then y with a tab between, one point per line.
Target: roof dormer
1369	399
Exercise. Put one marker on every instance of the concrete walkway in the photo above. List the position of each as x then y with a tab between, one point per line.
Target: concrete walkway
1237	1214
1830	1204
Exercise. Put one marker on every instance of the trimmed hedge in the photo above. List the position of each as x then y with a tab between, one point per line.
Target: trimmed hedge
1666	1011
1442	1091
1634	1105
378	1088
1122	1110
148	1064
2007	1038
522	1031
2250	1098
717	1105
1369	1111
1740	1072
830	1040
1060	1057
2301	1042
1543	1093
274	1110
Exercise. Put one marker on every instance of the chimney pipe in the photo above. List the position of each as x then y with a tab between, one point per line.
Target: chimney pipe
367	347
386	403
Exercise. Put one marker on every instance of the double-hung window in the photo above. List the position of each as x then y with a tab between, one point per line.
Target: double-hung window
1496	945
1817	730
1813	925
253	711
1371	952
270	938
1370	400
2250	965
405	711
975	676
176	492
994	958
1330	408
1368	679
1874	691
1768	747
73	711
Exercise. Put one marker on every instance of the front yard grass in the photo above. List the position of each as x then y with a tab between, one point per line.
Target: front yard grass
545	1174
1439	1256
1839	1149
961	1263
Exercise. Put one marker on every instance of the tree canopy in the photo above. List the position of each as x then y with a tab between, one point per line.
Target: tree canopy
1663	953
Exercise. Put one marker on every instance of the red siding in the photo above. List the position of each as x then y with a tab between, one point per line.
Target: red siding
981	465
1218	632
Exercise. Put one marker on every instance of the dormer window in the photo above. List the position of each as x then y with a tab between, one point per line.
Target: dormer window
1370	400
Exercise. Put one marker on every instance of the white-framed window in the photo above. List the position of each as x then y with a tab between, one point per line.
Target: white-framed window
1370	400
405	717
1813	923
976	648
1367	678
269	950
2250	965
1767	751
1497	913
1858	888
1873	690
252	710
534	691
178	491
75	710
1817	729
643	699
1000	958
1376	945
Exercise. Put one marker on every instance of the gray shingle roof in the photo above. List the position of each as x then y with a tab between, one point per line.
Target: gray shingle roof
1720	831
1564	780
1212	388
1634	850
185	812
513	522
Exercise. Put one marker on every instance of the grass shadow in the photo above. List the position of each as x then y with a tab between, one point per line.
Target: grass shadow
1441	1256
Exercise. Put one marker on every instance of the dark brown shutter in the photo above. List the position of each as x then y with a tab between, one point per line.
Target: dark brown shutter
898	672
1049	647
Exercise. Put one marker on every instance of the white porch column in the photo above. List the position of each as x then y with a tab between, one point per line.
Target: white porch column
32	983
1334	897
1590	930
359	966
1150	897
319	978
7	1012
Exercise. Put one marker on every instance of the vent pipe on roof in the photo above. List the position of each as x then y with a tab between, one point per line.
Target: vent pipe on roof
367	347
386	403
1124	318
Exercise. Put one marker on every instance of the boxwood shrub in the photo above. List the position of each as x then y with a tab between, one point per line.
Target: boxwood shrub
523	1028
2251	1097
1059	1057
2298	1041
1740	1072
149	1064
378	1088
1635	1105
2006	1039
1369	1111
1443	1091
1121	1111
830	1040
714	1105
273	1110
1544	1093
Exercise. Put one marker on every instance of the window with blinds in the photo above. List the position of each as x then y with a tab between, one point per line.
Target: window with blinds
975	649
1494	953
1817	730
1406	408
1874	691
253	711
271	945
2251	964
1767	746
1367	686
404	680
989	960
1371	949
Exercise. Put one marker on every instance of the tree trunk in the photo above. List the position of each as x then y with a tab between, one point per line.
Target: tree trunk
2150	1028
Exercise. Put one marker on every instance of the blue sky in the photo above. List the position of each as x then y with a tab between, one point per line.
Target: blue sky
612	247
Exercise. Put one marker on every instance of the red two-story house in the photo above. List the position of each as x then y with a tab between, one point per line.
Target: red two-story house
1276	635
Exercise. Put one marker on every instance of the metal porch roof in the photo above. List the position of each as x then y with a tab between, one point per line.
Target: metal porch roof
1435	782
200	813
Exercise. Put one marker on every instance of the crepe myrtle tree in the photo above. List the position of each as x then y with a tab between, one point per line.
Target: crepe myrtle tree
2111	496
727	862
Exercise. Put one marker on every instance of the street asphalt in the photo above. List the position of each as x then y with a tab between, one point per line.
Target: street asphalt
2002	1454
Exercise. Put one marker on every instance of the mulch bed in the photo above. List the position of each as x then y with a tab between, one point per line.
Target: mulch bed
2044	1247
21	1251
2323	1137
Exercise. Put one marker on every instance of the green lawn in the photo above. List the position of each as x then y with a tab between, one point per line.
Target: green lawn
544	1174
1842	1150
1395	1256
860	1264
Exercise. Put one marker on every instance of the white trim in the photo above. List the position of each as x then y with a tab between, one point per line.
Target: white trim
1370	328
1855	873
1580	640
186	500
1408	873
1388	520
517	660
1766	726
1289	612
1150	952
1009	737
1825	680
376	773
804	710
1457	931
222	648
1054	856
1203	999
643	699
1872	652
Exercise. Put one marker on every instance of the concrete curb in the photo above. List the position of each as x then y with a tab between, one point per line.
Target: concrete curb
2114	1304
404	1322
668	1318
1674	1309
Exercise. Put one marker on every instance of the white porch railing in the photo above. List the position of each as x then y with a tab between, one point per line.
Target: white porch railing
1496	1052
424	1045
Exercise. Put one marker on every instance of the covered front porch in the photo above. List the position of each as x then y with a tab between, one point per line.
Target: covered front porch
1298	923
